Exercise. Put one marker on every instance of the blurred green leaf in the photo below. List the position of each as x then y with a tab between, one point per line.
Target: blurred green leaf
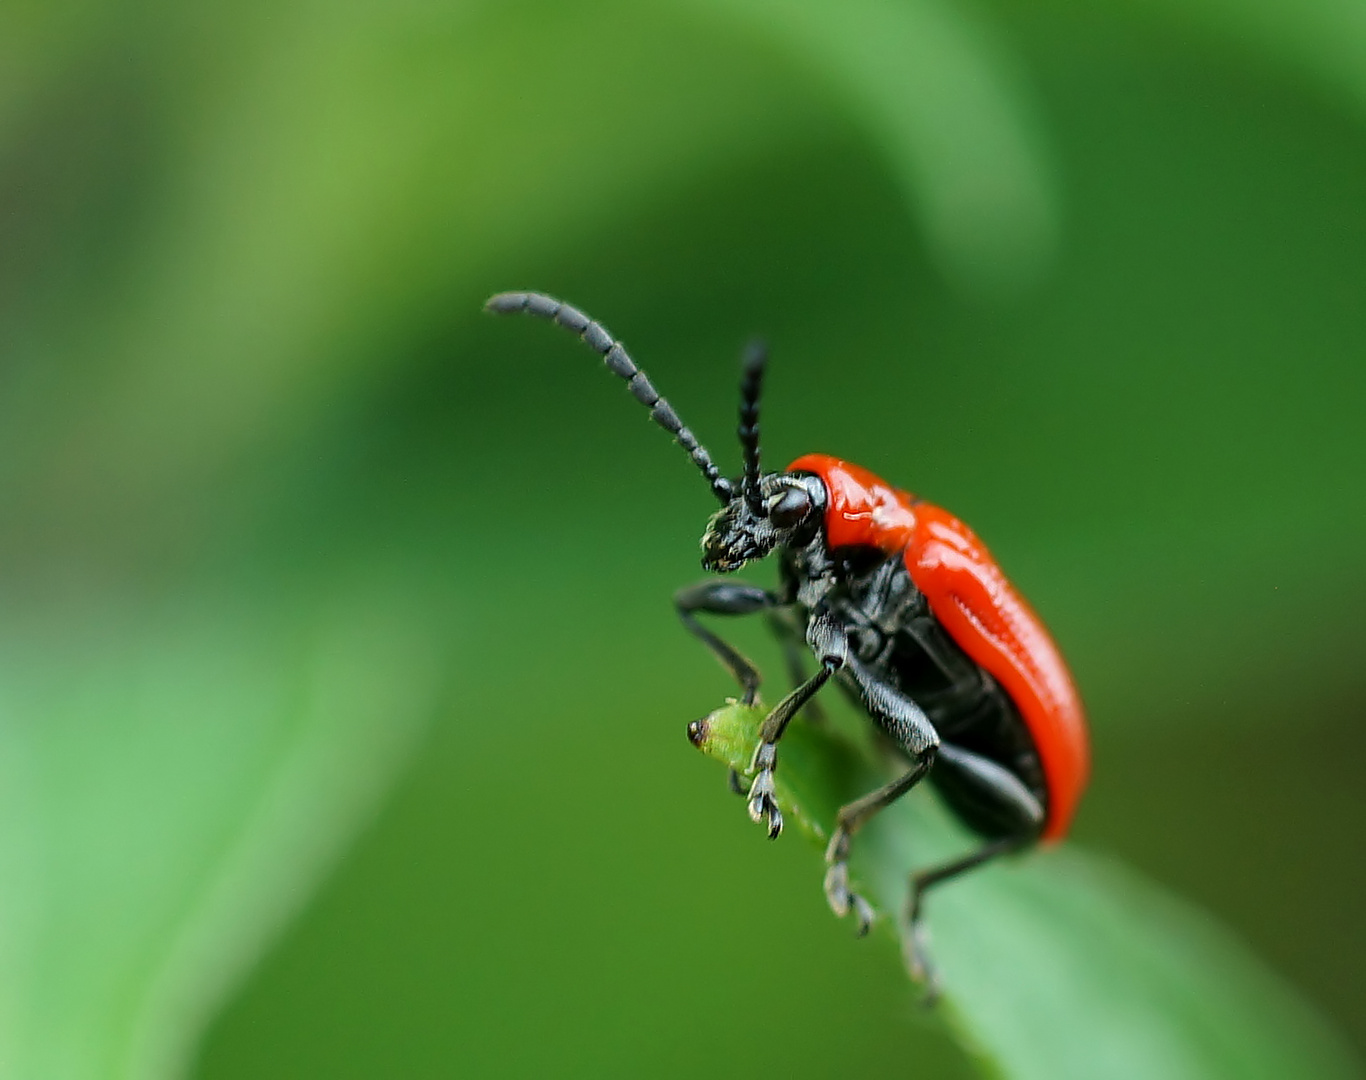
1058	964
173	782
1320	42
942	97
251	213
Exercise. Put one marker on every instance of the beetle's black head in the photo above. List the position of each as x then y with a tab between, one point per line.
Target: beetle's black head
763	512
790	507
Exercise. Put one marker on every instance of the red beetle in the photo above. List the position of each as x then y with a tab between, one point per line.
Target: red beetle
905	607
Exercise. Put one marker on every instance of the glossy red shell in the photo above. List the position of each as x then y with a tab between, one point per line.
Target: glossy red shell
980	609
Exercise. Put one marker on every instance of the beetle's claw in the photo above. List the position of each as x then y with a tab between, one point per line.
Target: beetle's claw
734	782
764	811
864	912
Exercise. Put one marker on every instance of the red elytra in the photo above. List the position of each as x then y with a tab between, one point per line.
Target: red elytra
979	608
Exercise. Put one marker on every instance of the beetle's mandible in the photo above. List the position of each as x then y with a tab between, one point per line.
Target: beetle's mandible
904	607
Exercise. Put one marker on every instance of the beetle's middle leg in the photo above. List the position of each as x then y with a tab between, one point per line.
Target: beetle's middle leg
828	641
787	628
910	728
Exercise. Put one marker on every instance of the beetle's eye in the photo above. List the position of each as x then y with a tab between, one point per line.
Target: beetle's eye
787	510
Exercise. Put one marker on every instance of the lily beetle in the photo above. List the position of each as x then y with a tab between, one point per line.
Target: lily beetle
904	607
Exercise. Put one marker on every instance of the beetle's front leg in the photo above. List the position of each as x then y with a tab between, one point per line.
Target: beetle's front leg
828	641
719	597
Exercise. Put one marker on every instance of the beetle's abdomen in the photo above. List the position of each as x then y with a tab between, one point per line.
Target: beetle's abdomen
979	608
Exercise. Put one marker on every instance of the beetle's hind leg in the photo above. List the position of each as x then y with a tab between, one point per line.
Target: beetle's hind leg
851	819
998	794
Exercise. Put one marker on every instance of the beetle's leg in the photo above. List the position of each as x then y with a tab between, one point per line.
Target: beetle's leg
827	640
908	725
789	634
720	597
1020	816
849	820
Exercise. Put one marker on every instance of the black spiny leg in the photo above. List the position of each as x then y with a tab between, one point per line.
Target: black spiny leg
850	819
788	631
1012	802
910	728
725	598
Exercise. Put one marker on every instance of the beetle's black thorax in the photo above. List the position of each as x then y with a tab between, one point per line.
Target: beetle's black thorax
891	629
894	635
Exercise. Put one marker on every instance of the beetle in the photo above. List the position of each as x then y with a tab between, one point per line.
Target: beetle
903	606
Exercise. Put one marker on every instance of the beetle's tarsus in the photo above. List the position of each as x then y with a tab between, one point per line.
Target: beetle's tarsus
762	806
760	793
916	953
837	888
842	901
838	849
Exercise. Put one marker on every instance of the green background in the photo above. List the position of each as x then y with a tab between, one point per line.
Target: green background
341	701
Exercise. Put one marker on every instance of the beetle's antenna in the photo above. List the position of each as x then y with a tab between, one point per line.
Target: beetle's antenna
617	361
751	385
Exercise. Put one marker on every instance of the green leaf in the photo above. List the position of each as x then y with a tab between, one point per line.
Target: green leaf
942	98
175	778
1321	42
1059	963
312	194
